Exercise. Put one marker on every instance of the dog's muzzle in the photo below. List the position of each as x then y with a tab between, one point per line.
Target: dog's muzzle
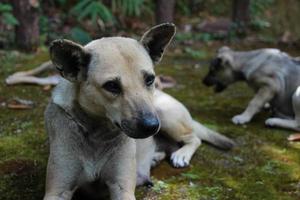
208	81
142	127
219	87
211	81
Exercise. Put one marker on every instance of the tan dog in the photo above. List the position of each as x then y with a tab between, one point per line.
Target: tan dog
103	115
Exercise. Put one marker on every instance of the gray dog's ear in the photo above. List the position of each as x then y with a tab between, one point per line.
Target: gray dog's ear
223	49
70	59
157	39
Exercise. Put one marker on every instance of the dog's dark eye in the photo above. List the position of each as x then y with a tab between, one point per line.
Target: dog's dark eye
113	87
149	79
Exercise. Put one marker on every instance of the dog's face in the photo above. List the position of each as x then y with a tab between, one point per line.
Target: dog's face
115	76
221	72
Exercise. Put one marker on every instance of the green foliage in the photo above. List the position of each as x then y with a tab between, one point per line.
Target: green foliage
92	9
44	24
196	54
6	14
218	8
128	7
184	7
190	176
257	9
204	37
95	10
62	2
159	186
80	35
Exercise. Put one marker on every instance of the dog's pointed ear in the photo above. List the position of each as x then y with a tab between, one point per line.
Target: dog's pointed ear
71	59
157	39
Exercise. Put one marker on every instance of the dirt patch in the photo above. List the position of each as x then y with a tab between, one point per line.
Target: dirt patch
18	167
165	170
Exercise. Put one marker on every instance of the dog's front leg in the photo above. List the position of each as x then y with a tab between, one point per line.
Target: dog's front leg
120	172
118	191
182	157
61	179
120	176
181	130
264	95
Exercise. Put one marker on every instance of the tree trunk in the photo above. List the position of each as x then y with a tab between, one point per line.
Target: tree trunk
241	12
27	32
164	11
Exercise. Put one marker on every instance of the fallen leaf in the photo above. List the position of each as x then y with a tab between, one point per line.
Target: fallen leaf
20	104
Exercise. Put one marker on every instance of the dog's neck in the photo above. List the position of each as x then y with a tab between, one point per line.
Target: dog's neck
249	61
65	96
244	62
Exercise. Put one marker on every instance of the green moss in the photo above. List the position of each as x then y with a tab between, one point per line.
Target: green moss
264	165
23	144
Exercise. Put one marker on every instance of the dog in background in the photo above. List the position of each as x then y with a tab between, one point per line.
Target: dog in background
274	76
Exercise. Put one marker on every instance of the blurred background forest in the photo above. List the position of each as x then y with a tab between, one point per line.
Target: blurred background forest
28	24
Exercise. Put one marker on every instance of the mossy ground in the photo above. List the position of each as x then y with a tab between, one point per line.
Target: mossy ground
264	165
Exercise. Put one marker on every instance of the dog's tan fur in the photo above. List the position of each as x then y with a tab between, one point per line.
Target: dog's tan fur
86	118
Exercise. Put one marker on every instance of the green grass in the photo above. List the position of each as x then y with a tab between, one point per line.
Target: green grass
263	166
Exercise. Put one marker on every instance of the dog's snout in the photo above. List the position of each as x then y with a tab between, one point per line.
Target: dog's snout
148	124
208	81
143	126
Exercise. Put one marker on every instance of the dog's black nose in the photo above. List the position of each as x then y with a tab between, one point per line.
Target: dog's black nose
144	125
148	125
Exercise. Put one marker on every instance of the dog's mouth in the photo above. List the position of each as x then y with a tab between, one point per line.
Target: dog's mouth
218	86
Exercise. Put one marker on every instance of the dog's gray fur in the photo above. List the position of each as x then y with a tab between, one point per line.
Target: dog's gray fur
106	93
273	74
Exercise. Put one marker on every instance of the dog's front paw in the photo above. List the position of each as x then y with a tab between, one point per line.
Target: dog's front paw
241	119
180	158
271	122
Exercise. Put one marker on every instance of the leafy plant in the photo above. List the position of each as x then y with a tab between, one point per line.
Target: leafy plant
204	37
196	54
257	9
6	14
159	186
128	7
97	9
80	35
184	7
92	9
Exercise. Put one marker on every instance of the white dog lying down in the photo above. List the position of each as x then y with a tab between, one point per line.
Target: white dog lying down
31	78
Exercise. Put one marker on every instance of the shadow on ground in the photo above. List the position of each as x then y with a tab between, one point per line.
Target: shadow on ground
264	165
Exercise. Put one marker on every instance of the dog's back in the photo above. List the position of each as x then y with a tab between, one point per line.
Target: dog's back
280	67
